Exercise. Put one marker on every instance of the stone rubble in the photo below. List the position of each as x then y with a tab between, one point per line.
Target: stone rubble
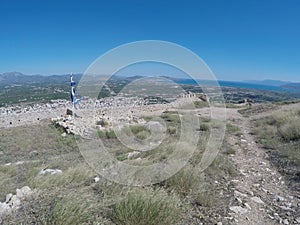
12	202
111	110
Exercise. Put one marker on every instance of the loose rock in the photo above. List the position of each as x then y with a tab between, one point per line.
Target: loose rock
257	200
50	171
238	209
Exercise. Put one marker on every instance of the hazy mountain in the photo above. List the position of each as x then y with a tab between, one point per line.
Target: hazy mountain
17	78
276	83
292	86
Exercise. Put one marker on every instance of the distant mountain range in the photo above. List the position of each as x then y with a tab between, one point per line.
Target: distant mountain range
276	83
17	78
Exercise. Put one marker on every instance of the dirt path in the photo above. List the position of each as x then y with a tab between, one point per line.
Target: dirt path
261	194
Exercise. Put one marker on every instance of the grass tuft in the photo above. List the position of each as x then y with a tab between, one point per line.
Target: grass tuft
147	207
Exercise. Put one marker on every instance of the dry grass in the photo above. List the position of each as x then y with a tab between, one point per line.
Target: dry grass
253	110
184	182
74	198
147	207
280	134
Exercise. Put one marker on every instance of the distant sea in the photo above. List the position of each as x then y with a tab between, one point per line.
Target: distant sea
253	86
237	84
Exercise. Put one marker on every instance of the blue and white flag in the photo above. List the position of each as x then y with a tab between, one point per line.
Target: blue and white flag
73	83
75	98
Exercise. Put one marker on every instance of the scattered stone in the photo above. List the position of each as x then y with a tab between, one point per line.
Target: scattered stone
286	208
271	217
235	181
63	134
238	209
288	204
297	220
13	201
239	200
285	222
132	154
256	185
257	200
219	223
96	179
33	153
279	198
247	205
4	209
24	192
50	171
240	194
8	198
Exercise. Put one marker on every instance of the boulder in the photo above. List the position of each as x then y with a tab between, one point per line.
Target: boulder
14	202
50	172
24	192
238	209
8	198
4	209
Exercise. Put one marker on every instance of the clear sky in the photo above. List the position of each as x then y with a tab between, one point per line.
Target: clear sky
238	39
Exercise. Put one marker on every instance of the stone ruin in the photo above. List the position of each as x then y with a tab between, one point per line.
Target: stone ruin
93	114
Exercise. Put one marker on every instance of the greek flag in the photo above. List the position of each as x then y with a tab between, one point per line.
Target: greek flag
75	98
73	83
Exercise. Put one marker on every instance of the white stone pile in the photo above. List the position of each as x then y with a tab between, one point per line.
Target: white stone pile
12	202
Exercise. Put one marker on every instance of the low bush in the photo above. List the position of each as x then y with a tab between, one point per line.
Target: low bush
107	134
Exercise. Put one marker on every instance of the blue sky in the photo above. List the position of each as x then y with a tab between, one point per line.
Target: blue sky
238	39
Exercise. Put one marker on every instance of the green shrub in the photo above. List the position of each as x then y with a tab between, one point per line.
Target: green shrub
107	134
184	182
171	130
71	210
135	129
205	195
232	129
280	134
290	131
102	123
171	117
204	127
201	104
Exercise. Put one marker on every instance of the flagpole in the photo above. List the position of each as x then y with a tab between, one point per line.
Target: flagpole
72	99
75	98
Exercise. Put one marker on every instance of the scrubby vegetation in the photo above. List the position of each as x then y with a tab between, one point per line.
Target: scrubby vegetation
147	207
201	104
280	135
257	109
73	197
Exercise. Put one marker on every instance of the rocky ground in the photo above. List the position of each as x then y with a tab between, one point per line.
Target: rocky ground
260	194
